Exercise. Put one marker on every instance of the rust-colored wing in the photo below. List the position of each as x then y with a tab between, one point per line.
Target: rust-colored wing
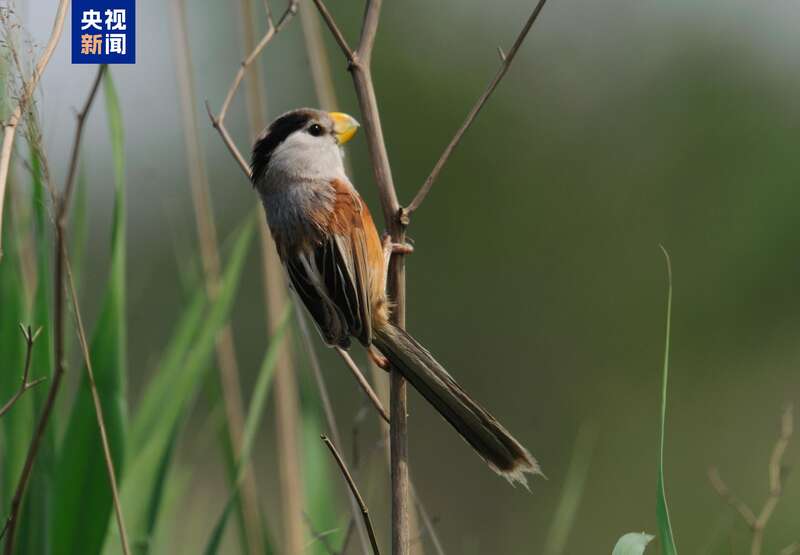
340	279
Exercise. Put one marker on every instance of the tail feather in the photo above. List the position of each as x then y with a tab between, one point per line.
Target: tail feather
504	454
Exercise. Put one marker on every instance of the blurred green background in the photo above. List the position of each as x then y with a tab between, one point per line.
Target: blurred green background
537	277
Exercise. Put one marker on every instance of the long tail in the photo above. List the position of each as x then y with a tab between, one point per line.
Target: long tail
504	454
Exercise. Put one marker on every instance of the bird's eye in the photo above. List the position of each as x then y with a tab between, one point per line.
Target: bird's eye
315	130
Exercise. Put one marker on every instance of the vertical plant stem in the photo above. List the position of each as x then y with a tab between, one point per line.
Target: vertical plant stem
359	67
287	411
287	417
208	241
318	59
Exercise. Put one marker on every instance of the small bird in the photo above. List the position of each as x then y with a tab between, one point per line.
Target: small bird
337	264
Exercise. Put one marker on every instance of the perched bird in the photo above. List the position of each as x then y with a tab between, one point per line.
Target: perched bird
337	264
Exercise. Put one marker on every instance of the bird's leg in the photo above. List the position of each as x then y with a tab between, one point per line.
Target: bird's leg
390	248
379	360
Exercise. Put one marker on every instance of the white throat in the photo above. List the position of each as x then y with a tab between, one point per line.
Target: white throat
306	158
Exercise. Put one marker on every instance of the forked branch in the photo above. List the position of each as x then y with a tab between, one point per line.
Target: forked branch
25	384
758	522
218	121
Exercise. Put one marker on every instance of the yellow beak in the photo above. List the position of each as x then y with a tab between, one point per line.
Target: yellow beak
344	126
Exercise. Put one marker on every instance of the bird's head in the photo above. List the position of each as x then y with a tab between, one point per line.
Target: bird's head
303	142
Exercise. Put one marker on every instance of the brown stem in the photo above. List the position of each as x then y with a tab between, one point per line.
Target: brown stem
354	490
359	62
506	59
61	203
98	407
758	523
24	385
363	383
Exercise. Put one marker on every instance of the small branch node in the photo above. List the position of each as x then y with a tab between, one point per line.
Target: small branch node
404	217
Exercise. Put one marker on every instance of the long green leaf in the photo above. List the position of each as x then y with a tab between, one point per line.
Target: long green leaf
148	414
665	535
83	478
168	397
254	417
184	368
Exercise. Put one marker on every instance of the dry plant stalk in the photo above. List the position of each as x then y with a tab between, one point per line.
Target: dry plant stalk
10	126
287	413
98	408
330	416
25	384
326	95
209	252
397	219
356	494
61	207
758	522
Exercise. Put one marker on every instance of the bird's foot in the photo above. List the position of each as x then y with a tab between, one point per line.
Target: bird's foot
379	360
390	247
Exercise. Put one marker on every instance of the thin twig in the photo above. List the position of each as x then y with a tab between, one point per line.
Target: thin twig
757	523
72	173
363	383
354	489
10	126
348	52
725	493
506	60
791	549
272	30
98	407
321	537
327	406
60	202
227	365
24	385
427	521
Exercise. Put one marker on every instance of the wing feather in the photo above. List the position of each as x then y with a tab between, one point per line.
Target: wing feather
333	277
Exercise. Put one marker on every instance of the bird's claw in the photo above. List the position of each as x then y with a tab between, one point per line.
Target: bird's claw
390	247
379	360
